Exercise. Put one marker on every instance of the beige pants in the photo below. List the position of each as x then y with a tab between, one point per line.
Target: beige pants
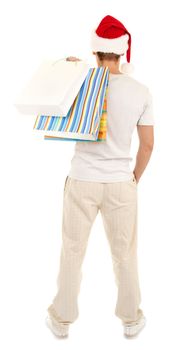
118	206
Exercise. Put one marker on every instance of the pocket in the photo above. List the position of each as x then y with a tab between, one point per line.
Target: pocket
134	179
67	185
66	180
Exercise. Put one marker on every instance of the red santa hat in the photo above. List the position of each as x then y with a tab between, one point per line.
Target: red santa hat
112	36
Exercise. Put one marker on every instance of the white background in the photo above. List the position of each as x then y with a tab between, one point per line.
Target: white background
33	174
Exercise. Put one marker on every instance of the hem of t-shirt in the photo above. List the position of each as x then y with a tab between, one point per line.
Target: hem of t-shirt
146	123
101	179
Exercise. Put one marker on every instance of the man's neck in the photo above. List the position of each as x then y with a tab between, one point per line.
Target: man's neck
114	69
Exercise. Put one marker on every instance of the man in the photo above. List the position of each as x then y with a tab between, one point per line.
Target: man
100	178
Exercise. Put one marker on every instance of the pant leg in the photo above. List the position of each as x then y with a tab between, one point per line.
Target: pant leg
119	215
79	212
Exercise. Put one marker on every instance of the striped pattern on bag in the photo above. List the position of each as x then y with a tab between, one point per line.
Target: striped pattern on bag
87	117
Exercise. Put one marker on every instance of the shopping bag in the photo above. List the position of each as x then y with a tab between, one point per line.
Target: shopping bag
102	130
83	119
53	87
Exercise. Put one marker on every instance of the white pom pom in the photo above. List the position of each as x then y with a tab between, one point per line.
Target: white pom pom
127	68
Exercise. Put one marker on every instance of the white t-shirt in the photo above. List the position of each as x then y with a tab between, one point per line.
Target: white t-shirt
129	103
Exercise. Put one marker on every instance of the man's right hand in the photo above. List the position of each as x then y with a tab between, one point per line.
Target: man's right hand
72	58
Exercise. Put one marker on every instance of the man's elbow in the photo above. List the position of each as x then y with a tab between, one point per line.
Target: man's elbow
147	147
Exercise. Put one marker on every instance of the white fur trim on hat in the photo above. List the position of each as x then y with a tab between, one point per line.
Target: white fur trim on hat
116	45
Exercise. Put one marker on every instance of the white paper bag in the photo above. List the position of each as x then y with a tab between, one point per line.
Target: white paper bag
53	88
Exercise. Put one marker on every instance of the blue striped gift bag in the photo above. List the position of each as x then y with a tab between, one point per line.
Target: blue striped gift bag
82	122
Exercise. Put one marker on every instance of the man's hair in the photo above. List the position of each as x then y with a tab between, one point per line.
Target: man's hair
110	56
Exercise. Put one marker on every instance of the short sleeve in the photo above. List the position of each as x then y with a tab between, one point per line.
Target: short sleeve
147	116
